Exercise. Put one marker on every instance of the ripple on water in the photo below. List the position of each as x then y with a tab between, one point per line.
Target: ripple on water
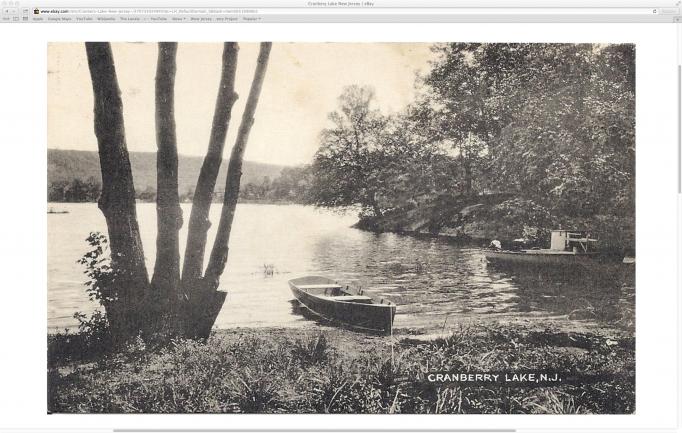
300	240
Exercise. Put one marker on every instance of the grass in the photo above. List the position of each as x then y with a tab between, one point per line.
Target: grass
339	371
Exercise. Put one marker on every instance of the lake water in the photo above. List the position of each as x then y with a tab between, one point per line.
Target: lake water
432	280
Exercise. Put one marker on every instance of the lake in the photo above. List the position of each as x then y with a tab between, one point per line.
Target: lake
432	280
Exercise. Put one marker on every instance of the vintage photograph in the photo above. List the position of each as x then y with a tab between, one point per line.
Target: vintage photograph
355	228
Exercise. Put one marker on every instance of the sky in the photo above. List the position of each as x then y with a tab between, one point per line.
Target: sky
301	87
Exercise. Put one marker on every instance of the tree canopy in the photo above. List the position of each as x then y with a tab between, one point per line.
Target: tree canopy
550	127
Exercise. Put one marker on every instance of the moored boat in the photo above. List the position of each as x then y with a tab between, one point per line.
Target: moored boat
567	248
539	257
52	211
335	302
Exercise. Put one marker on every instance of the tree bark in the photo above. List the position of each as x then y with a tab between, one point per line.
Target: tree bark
468	176
376	209
117	202
218	259
203	195
166	279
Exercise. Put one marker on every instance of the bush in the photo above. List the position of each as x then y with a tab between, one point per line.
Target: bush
310	350
101	276
94	330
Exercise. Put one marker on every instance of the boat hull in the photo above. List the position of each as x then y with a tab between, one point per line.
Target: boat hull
540	258
365	316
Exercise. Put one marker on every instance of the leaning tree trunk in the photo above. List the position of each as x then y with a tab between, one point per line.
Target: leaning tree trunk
216	264
166	279
206	301
203	195
126	314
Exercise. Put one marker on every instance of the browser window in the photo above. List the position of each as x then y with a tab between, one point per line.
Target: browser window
301	215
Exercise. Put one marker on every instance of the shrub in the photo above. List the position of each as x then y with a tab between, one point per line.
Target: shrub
94	330
310	350
255	391
101	276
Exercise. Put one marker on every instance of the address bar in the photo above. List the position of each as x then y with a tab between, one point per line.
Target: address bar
352	10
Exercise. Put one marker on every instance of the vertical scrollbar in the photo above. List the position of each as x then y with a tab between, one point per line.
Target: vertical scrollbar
679	105
679	201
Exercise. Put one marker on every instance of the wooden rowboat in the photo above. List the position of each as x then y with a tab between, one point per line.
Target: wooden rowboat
332	301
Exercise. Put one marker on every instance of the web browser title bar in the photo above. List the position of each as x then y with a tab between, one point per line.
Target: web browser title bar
366	13
362	11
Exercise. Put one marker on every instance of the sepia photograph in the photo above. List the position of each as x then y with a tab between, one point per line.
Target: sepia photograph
350	228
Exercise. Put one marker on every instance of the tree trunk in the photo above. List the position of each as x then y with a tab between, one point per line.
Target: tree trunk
126	315
203	195
216	264
375	205
166	279
468	177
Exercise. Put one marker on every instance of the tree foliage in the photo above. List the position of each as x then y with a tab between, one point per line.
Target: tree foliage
291	186
74	191
551	124
348	160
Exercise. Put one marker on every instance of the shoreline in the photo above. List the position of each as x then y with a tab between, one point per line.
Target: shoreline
466	233
434	330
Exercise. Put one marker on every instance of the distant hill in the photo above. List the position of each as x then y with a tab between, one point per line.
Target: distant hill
81	164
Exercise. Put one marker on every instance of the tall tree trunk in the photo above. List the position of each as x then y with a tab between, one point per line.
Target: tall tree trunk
203	195
468	177
377	210
216	264
126	315
375	205
165	281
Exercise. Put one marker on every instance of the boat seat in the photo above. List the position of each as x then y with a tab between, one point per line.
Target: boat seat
352	298
319	286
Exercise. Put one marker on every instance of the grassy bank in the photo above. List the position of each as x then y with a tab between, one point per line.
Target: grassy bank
339	371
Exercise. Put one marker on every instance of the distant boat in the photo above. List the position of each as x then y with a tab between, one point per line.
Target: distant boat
567	248
52	211
332	301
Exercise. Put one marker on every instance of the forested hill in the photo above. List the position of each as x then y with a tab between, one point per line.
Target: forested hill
68	165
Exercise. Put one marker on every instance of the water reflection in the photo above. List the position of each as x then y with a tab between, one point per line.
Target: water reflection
432	278
604	292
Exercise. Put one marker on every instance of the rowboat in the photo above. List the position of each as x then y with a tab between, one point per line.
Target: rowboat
335	302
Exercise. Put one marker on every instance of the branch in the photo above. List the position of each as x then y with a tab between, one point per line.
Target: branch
168	213
201	204
216	264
